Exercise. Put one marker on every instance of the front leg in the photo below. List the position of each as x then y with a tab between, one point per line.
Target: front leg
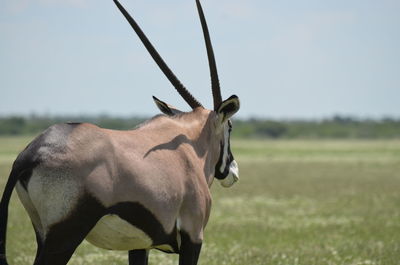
138	257
189	252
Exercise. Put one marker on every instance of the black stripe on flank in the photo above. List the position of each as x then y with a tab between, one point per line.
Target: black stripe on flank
140	217
89	210
70	232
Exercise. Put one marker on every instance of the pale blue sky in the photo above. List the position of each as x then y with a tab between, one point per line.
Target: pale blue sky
284	59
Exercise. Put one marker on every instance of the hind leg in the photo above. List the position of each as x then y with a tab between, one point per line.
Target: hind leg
64	237
61	241
54	258
39	244
58	247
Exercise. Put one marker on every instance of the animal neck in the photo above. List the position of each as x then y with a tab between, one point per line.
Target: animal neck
196	129
208	145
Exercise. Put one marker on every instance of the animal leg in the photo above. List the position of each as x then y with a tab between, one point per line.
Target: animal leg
54	258
61	241
64	237
138	257
39	244
189	252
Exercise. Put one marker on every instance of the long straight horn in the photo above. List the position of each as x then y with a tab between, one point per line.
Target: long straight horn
216	90
160	62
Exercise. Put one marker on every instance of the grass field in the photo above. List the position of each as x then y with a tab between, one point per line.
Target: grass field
298	202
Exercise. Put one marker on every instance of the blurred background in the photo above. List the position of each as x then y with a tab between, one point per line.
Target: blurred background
317	137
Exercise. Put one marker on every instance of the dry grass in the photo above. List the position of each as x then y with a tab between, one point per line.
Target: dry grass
298	202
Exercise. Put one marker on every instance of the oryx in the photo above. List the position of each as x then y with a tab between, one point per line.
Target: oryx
147	188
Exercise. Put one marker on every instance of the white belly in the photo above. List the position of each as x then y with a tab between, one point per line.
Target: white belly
112	232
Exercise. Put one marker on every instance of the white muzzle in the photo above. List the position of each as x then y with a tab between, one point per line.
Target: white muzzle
232	177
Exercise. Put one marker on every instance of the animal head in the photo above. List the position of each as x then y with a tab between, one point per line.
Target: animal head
226	168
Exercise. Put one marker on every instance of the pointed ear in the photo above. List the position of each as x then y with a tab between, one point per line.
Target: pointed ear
166	108
228	108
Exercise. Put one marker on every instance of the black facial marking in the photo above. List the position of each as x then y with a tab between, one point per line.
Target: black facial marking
229	158
224	174
218	174
230	126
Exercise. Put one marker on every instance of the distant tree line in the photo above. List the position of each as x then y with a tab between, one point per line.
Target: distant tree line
339	127
20	125
336	127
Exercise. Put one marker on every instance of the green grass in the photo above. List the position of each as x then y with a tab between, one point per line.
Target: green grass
298	202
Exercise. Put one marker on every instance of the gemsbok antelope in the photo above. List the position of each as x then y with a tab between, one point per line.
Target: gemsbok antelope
147	188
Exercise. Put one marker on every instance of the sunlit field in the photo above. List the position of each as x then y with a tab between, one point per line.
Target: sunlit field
297	202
